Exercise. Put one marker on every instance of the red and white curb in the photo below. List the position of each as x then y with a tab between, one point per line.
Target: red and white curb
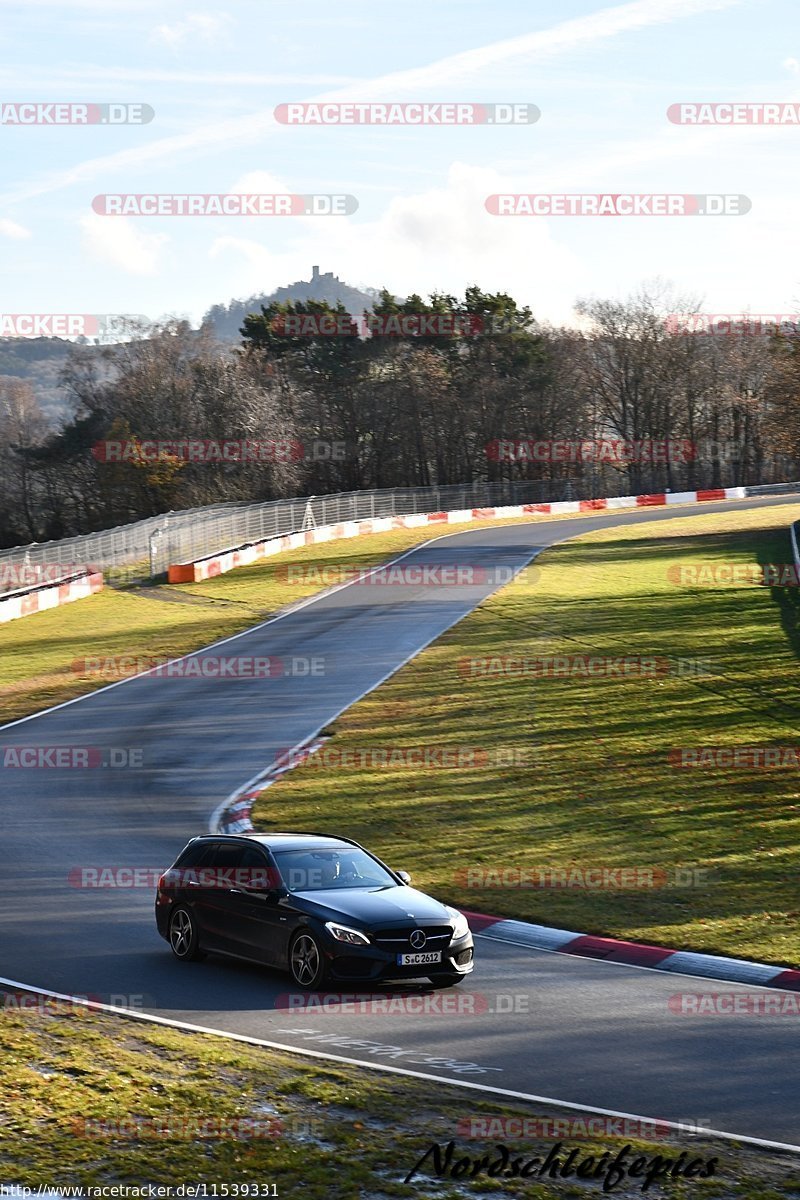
218	564
22	604
234	815
632	954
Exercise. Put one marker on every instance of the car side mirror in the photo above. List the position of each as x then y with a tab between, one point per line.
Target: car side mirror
404	876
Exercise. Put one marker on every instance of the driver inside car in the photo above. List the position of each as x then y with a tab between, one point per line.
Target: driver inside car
335	871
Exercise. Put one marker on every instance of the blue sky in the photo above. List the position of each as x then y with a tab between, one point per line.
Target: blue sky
603	76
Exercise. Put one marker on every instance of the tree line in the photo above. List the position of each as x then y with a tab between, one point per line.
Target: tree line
415	393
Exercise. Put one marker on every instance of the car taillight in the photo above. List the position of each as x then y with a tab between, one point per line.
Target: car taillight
161	888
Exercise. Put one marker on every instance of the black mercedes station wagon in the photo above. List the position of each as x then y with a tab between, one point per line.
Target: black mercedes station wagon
321	907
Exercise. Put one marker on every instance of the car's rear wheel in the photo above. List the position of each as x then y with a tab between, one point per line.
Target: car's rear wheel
306	961
183	937
443	981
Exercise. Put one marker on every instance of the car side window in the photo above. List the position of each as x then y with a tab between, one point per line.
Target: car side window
217	867
226	854
256	869
194	855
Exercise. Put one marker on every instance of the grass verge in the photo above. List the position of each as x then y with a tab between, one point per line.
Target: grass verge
85	1092
593	785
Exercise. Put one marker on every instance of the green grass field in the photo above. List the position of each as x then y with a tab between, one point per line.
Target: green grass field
595	787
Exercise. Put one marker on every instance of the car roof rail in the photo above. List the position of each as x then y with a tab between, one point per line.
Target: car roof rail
251	833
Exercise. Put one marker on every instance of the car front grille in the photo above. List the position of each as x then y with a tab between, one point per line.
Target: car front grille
396	941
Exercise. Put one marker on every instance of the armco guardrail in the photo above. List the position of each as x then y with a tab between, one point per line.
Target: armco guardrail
770	489
148	547
218	564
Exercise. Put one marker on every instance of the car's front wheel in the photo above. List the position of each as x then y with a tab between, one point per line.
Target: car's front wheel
443	981
306	961
183	936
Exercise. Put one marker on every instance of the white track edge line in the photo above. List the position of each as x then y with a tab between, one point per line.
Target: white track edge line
173	1023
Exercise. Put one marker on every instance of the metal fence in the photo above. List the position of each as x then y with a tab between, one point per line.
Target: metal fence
147	548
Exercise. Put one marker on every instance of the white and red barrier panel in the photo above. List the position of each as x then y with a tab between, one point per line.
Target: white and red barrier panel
22	604
218	564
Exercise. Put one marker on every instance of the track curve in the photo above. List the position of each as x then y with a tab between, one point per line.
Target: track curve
594	1033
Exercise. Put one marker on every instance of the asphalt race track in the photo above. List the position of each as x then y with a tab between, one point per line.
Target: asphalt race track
586	1032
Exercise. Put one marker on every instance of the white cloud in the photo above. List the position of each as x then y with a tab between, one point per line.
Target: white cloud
204	27
114	240
791	65
11	229
546	43
534	47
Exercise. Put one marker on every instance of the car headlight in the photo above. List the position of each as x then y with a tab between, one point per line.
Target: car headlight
342	933
460	924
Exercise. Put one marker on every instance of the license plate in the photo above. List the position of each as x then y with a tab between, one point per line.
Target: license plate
417	960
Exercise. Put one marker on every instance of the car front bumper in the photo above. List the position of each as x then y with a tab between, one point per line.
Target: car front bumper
371	963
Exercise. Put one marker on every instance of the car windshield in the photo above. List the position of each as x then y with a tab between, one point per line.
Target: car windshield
318	870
